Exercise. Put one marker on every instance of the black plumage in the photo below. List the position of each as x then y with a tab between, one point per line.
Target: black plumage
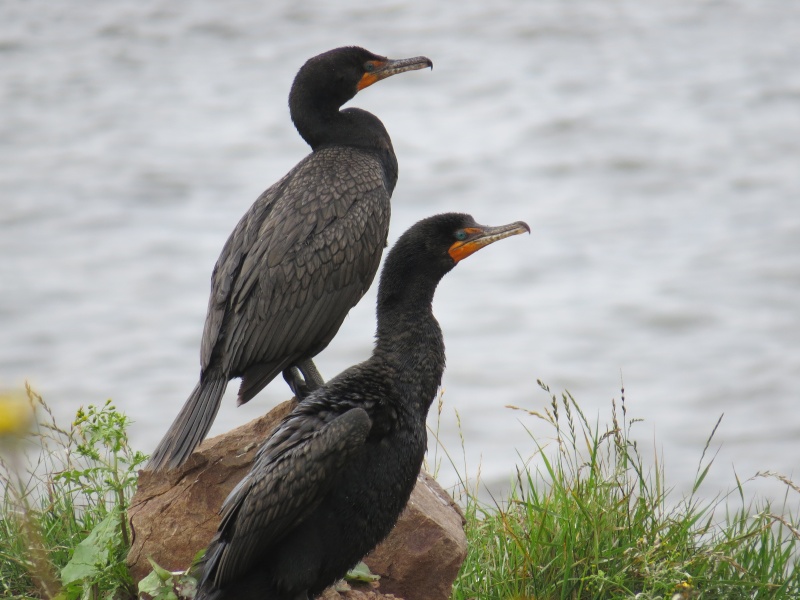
332	479
304	253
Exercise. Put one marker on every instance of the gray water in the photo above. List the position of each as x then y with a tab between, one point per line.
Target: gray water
653	147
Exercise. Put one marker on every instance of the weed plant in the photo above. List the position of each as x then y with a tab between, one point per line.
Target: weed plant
63	523
593	521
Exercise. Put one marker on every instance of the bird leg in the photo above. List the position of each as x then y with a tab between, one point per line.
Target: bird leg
303	378
311	374
295	381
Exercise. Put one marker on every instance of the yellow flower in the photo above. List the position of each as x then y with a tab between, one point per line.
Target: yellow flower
16	414
684	590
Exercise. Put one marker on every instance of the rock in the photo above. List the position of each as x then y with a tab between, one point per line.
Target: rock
175	514
356	591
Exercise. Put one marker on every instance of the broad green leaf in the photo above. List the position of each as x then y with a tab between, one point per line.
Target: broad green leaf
91	555
160	571
361	572
151	585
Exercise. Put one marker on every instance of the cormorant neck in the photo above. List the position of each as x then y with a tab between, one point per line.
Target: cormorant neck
405	298
401	312
409	343
323	126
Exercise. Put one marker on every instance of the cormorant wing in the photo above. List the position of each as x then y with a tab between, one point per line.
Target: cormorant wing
302	256
291	474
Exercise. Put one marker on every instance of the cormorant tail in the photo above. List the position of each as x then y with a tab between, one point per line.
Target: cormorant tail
190	426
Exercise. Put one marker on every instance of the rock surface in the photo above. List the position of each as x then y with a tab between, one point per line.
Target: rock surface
174	514
359	592
356	592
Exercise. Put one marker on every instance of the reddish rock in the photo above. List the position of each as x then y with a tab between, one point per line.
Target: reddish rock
175	514
356	591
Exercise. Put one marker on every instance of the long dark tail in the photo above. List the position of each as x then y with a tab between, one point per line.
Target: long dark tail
190	426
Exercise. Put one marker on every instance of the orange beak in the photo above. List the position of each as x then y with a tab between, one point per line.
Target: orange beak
381	69
481	236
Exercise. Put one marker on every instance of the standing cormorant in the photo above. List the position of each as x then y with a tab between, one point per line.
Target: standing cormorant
304	254
330	482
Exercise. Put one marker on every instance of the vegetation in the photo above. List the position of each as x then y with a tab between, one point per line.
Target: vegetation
591	521
595	522
63	524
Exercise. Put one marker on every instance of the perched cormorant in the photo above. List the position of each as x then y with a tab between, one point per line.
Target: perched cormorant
304	254
330	482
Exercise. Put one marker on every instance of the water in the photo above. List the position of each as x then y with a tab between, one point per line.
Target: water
654	148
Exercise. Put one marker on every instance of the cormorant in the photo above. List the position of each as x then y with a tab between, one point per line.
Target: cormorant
330	482
304	253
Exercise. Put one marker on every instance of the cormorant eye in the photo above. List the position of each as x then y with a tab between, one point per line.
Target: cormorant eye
461	235
369	67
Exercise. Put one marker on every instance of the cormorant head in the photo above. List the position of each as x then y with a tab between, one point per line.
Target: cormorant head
433	246
334	77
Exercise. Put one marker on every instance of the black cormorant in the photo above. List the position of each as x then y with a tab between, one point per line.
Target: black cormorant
330	482
304	254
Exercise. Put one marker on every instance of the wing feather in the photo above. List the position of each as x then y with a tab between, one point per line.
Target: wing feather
290	476
303	255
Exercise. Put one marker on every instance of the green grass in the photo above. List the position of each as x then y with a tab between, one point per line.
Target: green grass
65	491
586	518
593	521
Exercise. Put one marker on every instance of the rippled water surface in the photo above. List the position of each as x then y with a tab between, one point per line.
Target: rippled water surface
654	148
